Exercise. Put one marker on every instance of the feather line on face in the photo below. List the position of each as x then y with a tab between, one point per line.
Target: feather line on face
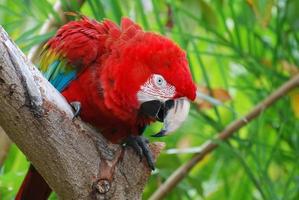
156	88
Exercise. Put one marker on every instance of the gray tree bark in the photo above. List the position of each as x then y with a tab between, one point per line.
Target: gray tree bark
75	160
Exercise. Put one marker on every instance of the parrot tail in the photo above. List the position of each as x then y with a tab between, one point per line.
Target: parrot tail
34	187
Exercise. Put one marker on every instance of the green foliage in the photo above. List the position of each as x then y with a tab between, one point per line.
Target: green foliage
12	173
249	48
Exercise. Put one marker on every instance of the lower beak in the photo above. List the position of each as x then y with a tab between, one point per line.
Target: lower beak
174	114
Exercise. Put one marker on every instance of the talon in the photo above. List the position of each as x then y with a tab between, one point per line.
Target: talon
143	142
146	140
76	105
140	145
134	144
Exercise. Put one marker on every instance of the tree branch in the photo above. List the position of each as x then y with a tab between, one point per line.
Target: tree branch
33	55
209	146
73	158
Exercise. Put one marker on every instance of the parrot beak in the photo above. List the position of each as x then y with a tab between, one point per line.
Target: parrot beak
171	112
156	109
151	109
174	113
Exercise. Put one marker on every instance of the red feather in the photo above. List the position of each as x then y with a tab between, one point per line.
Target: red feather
32	181
118	60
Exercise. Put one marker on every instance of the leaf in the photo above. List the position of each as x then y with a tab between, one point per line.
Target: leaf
117	11
292	14
197	184
294	98
218	93
289	68
194	11
262	12
140	6
97	9
27	34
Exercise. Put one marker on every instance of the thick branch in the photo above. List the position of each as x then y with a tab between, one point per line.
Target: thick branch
74	159
209	146
4	144
33	56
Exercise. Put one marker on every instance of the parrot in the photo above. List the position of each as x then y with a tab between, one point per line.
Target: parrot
119	79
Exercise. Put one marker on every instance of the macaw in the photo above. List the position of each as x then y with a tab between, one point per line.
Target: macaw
119	79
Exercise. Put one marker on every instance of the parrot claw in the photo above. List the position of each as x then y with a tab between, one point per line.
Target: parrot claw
76	105
140	145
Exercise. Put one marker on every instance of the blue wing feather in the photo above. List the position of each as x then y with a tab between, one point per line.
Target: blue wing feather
63	80
57	71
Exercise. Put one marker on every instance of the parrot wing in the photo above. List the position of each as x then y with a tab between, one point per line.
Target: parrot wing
79	44
76	46
56	70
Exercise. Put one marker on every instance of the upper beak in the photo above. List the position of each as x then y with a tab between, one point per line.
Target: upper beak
174	115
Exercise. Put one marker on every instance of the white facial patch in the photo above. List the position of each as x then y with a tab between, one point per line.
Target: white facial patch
156	88
176	115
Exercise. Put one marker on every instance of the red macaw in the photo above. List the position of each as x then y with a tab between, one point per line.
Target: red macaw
118	79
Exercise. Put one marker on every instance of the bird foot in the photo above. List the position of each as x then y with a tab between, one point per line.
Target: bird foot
76	105
140	145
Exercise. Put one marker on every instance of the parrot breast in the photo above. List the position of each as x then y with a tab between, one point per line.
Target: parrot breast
89	93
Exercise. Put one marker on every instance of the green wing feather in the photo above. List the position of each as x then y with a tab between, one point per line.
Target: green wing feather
56	69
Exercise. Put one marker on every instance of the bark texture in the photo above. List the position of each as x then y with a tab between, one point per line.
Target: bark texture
4	146
76	161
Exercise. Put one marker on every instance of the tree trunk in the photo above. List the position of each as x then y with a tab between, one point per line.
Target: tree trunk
75	160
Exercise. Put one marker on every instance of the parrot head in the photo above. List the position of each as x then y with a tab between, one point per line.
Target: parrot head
149	75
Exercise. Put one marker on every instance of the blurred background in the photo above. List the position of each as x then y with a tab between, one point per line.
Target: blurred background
239	50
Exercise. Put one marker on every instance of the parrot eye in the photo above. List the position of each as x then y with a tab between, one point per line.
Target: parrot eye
156	88
159	80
